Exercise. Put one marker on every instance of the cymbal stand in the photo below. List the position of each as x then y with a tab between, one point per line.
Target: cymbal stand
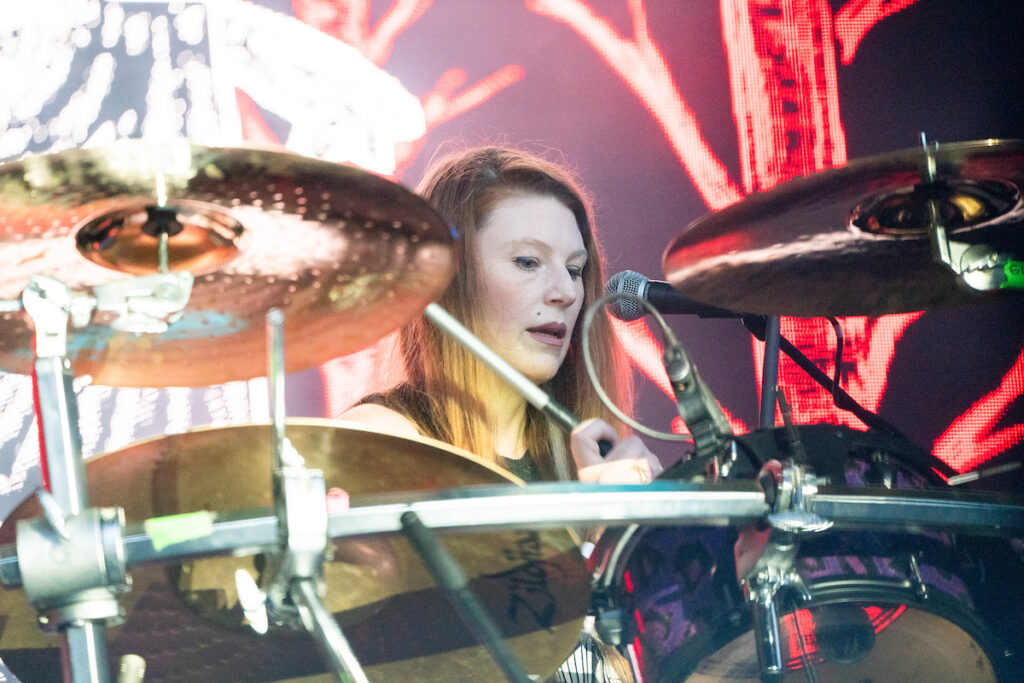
295	593
791	489
73	560
770	372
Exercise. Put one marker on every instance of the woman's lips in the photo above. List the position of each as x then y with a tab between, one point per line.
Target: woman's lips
552	334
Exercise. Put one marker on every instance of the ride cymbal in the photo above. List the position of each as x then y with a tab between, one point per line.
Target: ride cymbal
185	620
347	255
855	240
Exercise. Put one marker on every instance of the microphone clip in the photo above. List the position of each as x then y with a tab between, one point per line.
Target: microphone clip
696	405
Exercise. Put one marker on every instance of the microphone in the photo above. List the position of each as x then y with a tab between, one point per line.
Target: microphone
661	295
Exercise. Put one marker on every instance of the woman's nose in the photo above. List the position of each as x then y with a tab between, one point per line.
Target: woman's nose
562	289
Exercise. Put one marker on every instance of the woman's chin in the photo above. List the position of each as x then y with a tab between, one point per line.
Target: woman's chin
540	375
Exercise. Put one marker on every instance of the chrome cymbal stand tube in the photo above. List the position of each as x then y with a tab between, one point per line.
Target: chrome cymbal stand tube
295	594
770	372
72	560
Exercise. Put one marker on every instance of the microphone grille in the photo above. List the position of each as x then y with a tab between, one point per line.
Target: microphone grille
627	282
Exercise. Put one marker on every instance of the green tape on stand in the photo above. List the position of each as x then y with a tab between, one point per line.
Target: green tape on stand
1014	272
165	531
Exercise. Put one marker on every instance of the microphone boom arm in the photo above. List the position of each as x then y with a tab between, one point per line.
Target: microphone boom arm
757	325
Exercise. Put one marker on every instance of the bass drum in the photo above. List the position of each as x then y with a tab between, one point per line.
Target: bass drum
883	606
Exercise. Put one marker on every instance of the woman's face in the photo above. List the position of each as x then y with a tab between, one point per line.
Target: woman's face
529	258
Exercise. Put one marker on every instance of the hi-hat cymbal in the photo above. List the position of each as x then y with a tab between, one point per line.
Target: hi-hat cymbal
185	620
347	255
855	240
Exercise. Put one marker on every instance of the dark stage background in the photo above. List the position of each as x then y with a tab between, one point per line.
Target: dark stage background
667	110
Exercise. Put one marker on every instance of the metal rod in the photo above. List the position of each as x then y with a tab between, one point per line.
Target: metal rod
770	372
937	228
758	327
84	653
964	513
275	381
328	634
48	302
533	394
162	263
449	575
58	423
766	634
556	505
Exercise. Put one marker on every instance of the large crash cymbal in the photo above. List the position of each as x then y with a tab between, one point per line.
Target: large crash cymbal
855	240
347	255
184	620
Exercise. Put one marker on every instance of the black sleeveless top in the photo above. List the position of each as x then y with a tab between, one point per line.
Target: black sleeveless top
412	403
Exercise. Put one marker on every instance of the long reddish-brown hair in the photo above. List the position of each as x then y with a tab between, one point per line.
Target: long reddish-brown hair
465	187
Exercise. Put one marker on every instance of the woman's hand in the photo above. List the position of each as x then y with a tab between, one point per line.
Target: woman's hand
629	461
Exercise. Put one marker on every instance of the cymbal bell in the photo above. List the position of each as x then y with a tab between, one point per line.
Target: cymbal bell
347	255
185	621
854	240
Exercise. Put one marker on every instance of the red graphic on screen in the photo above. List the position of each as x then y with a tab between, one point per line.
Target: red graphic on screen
857	17
783	80
975	437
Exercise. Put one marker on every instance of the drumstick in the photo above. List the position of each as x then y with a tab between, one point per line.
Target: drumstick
533	394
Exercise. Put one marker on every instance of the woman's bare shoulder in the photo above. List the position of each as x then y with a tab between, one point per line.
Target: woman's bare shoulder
375	415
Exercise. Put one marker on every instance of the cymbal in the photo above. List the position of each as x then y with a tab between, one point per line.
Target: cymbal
347	255
185	621
854	240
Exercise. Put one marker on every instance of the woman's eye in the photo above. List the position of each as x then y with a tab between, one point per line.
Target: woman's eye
575	272
526	262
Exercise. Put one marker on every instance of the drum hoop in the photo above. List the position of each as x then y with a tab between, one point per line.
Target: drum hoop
893	591
608	574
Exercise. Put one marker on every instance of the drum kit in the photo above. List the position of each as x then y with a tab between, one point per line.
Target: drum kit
305	548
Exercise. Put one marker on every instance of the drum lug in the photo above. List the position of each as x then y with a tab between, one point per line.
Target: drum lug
914	569
768	582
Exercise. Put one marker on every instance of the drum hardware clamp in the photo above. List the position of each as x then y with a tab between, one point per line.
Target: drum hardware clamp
72	560
792	488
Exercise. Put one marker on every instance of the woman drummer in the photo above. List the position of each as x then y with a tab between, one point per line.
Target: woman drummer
529	263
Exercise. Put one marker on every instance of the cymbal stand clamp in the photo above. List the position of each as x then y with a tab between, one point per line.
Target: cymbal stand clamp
981	267
147	303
